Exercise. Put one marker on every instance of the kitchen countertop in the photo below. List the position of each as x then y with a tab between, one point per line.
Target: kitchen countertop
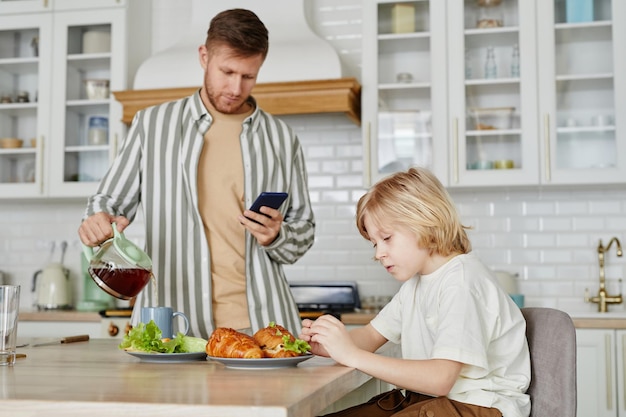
59	315
95	378
611	320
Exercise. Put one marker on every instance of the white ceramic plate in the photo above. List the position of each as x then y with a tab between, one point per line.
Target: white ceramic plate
264	363
168	357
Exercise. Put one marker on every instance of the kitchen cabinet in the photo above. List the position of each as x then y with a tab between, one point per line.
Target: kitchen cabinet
51	329
510	94
23	70
600	366
404	87
57	159
492	108
582	85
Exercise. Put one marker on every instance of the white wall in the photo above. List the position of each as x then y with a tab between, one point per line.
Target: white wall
548	237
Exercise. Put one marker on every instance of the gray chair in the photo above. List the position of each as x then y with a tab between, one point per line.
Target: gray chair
552	342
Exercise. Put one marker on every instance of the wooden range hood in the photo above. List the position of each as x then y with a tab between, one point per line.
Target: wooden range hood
341	95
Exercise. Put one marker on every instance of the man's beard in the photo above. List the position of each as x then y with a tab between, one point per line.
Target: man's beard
220	108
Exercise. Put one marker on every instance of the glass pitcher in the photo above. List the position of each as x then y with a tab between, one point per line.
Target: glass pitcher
119	267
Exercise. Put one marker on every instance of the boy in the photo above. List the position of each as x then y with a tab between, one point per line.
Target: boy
463	339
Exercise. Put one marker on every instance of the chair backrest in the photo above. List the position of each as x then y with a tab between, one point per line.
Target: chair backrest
552	343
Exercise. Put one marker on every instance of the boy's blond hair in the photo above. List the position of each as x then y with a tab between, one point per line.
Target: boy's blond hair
415	200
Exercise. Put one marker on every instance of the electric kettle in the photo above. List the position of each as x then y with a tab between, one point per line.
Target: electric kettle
51	286
119	267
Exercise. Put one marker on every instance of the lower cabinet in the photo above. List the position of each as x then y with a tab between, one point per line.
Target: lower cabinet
600	372
58	329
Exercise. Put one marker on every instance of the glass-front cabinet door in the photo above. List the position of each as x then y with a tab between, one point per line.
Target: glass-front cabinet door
492	93
25	68
582	100
83	105
404	87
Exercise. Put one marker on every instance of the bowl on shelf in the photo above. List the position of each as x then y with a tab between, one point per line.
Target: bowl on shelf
11	143
97	89
488	3
491	118
504	164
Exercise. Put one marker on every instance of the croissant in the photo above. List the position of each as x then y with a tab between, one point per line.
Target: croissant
272	339
229	343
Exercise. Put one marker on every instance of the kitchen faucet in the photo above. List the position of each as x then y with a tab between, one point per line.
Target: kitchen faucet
603	298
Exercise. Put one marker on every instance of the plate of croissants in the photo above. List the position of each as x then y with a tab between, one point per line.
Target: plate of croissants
270	347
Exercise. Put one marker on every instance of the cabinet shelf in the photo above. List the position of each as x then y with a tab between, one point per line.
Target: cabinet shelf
87	148
403	86
492	31
19	66
18	109
586	129
89	62
584	25
492	81
88	103
584	77
401	36
494	132
18	151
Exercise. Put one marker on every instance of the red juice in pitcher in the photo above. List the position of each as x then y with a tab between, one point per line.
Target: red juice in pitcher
122	283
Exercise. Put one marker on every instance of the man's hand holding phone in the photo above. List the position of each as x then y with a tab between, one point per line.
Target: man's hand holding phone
263	219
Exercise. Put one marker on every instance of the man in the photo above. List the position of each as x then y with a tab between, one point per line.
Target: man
195	165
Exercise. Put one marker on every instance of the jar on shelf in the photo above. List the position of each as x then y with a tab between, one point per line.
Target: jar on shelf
490	14
98	130
23	97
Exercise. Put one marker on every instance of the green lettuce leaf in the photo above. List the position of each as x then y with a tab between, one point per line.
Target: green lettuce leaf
299	346
149	338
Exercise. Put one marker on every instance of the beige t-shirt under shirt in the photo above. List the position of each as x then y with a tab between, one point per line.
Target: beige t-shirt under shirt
220	201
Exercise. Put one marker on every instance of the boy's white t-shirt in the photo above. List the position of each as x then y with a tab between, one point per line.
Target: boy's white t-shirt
460	313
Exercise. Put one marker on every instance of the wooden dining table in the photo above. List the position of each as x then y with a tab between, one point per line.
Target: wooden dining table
95	378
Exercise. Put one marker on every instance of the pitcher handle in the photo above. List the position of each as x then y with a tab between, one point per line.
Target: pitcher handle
89	251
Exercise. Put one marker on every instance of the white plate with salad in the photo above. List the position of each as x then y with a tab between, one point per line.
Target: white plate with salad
145	342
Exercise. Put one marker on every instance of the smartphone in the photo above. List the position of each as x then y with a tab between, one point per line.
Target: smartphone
269	199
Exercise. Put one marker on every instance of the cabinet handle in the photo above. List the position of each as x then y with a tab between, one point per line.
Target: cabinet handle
45	3
114	147
547	143
624	369
455	129
40	165
368	155
609	376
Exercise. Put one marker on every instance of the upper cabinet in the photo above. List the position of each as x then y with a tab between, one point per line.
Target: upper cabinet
25	83
495	92
404	86
57	69
492	112
92	60
582	85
